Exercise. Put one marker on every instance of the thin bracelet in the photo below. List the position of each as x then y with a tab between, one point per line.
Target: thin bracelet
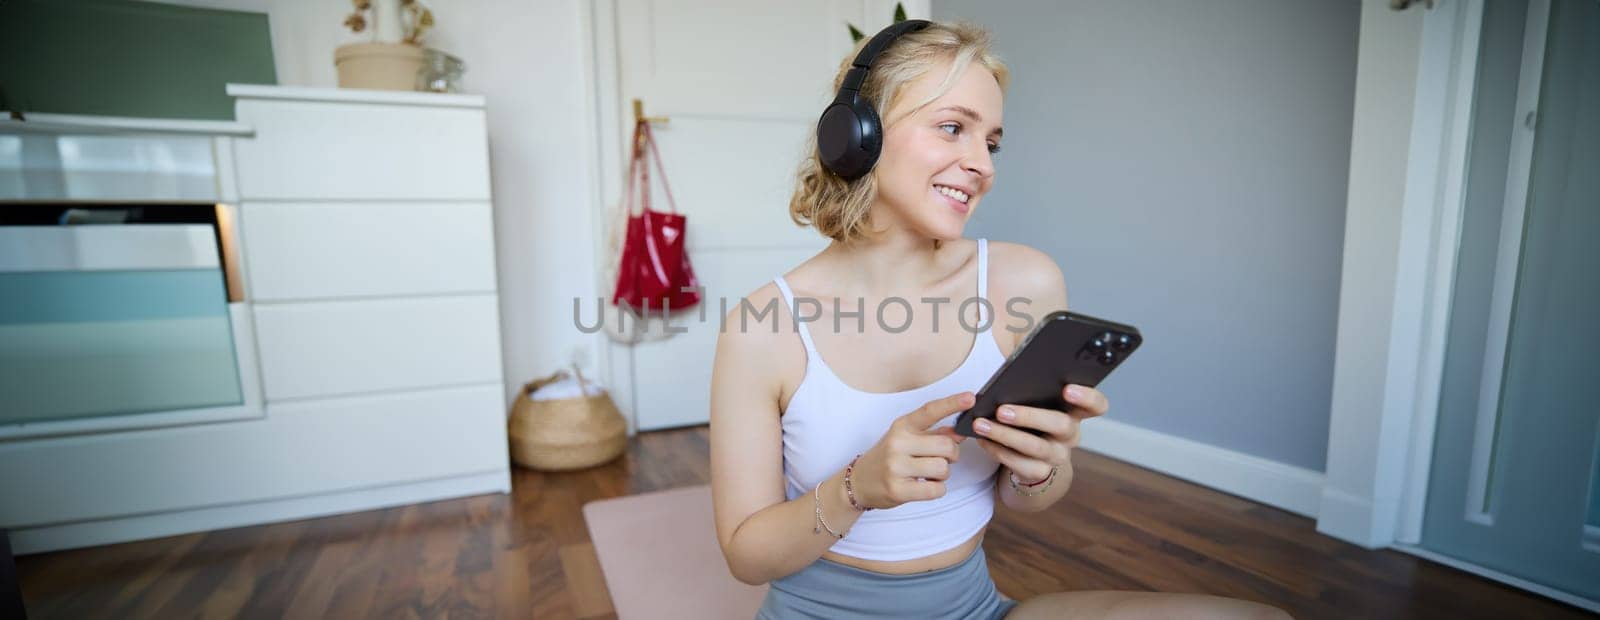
1017	486
822	524
850	491
1041	480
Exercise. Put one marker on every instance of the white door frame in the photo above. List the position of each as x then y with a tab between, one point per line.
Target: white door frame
603	138
1400	447
1436	200
1382	460
607	119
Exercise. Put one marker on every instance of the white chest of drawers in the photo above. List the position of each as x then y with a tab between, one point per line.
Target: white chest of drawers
366	236
368	240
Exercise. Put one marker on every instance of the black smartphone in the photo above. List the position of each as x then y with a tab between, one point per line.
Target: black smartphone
1066	347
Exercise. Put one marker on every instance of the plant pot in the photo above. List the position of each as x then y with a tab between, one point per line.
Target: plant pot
381	66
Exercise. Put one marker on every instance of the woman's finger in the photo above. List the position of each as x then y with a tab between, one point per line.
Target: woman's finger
1050	421
928	468
942	444
1087	402
1022	441
1025	468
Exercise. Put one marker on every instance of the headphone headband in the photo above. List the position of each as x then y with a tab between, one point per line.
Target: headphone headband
886	36
857	75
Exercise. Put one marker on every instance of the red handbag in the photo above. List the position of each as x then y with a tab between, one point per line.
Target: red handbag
654	270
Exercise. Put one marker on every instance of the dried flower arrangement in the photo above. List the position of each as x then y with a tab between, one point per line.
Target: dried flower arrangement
415	23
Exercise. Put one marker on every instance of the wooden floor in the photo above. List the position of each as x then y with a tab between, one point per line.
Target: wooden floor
528	554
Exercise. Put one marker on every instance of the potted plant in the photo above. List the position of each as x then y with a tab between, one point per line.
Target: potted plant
899	16
391	59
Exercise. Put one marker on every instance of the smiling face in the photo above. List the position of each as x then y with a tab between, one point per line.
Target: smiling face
937	162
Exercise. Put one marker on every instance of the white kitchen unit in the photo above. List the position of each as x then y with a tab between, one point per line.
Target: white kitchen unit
366	322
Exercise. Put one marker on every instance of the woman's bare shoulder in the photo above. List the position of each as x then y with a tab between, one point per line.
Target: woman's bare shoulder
1018	269
750	320
757	341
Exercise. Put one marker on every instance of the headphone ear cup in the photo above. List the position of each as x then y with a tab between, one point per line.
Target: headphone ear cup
850	134
849	138
839	138
871	134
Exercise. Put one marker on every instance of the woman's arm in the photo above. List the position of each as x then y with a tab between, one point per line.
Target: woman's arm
1020	272
1040	462
763	537
1033	503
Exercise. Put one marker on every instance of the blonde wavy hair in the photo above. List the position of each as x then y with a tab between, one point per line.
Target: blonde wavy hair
841	209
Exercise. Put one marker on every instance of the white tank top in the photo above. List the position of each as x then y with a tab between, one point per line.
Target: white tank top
828	422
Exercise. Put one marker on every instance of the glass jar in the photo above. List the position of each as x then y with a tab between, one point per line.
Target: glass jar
440	72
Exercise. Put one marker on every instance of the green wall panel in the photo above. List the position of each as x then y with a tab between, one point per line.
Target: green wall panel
125	58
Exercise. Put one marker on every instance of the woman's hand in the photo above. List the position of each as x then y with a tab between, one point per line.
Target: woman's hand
911	462
1031	457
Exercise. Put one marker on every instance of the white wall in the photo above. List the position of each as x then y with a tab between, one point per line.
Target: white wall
528	59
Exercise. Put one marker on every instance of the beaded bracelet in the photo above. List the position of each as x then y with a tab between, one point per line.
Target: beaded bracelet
850	491
1017	486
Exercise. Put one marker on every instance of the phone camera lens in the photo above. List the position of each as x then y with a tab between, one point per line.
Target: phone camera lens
1107	358
1123	342
1098	344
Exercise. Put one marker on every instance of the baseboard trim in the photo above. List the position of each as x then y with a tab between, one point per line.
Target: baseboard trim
140	527
1275	484
1489	573
1352	518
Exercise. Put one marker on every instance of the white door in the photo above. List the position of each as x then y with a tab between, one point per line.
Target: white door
1515	480
741	83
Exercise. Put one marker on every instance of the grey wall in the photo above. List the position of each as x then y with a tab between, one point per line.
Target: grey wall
1186	164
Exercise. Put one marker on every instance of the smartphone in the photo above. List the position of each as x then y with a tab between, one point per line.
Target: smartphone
1066	347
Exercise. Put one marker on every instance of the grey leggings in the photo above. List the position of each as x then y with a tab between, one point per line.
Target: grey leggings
828	589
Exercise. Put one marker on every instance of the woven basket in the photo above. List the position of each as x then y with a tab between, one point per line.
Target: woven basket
568	433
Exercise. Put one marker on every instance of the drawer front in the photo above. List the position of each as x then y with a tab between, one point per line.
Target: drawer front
329	250
299	449
323	151
349	347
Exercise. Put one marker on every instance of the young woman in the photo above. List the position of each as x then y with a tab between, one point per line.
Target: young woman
836	475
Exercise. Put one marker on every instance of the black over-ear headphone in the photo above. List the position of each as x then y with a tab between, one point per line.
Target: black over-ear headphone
850	134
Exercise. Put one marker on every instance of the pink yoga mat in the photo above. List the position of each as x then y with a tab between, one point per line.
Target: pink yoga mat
661	559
